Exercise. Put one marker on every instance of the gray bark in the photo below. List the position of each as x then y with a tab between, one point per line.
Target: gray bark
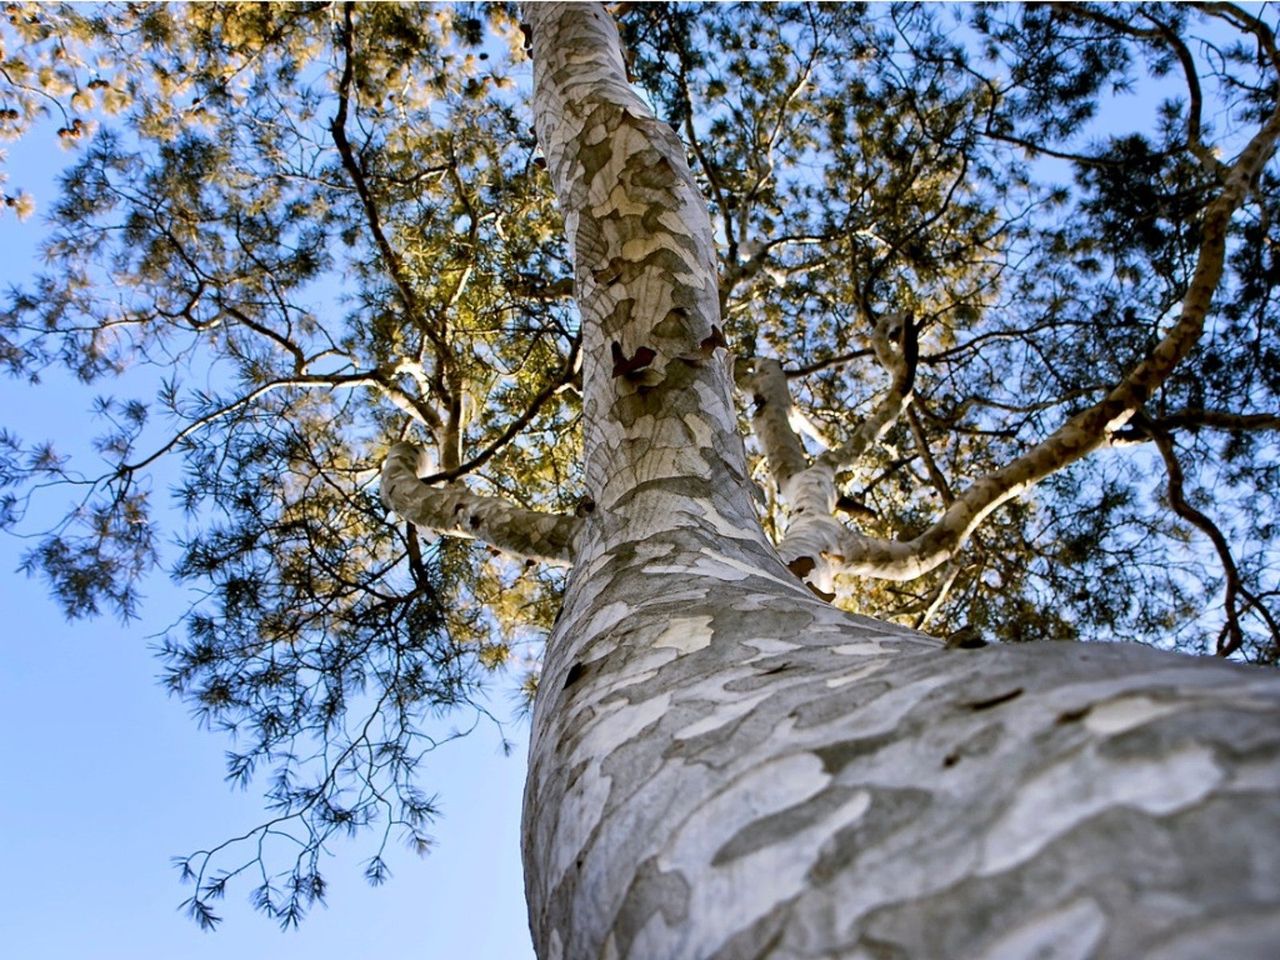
724	766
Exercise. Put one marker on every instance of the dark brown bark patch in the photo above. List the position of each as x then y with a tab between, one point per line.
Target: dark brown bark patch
802	566
995	701
709	344
624	366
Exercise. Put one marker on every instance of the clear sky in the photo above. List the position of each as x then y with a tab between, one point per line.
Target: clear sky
105	777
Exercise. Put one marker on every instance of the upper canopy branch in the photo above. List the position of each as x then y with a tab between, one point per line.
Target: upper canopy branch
897	348
830	547
381	379
1194	420
1232	637
394	263
1089	429
566	374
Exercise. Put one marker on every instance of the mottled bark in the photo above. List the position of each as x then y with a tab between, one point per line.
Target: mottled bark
724	766
815	539
451	509
661	446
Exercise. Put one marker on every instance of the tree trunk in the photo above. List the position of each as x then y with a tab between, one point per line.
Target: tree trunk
723	765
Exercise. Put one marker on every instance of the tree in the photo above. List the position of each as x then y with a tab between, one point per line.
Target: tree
725	761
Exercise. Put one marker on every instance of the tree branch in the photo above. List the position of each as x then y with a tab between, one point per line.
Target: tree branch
1089	429
770	417
900	361
516	427
810	490
395	266
1232	637
375	378
935	475
452	510
1140	431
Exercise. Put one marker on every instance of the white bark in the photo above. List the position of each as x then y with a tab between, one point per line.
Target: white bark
724	766
451	509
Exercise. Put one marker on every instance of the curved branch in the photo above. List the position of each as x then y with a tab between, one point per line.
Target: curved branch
1087	430
1232	637
901	363
346	380
935	474
452	510
1197	420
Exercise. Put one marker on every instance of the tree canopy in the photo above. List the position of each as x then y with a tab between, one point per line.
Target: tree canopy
327	228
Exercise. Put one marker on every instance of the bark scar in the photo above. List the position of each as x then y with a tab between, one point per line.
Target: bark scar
624	366
994	701
802	566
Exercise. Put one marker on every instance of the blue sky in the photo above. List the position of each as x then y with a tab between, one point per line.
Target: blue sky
106	777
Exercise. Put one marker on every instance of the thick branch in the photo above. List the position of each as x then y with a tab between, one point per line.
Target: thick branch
452	510
810	491
770	417
1089	429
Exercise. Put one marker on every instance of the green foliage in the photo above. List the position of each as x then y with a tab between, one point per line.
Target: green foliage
307	293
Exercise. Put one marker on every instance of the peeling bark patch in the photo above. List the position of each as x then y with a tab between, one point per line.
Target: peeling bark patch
1076	788
995	701
802	566
1125	713
686	634
673	324
888	811
624	366
573	676
658	894
1067	933
709	344
609	272
760	940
